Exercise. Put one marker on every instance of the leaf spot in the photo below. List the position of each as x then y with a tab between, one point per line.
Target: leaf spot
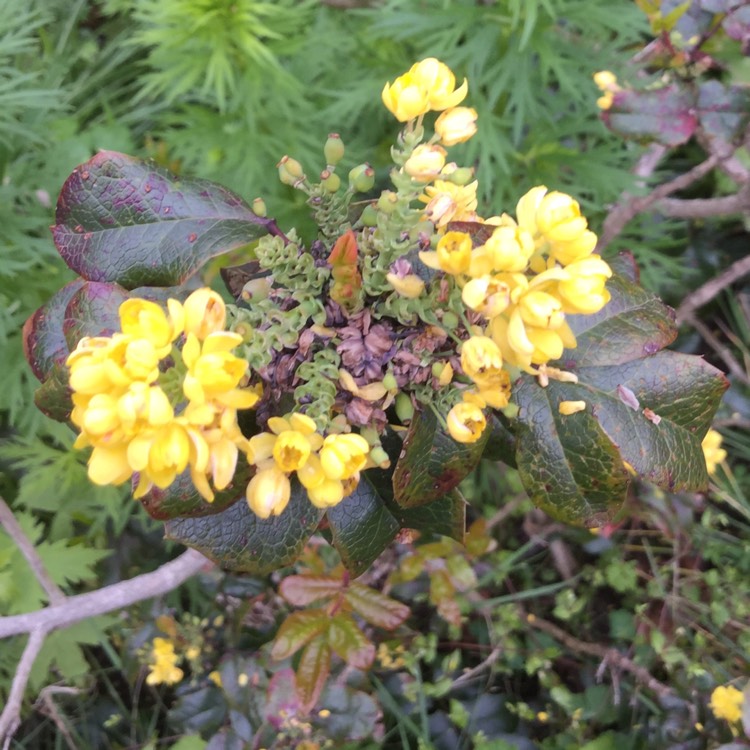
192	237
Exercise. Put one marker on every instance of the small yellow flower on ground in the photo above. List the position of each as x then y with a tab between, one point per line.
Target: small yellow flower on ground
726	703
712	450
163	668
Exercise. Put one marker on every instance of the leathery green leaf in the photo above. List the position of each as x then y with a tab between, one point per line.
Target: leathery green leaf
237	539
431	462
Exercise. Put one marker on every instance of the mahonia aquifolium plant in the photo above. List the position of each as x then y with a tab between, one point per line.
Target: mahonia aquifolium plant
364	375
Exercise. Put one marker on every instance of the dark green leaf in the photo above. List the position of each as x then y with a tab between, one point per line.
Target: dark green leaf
567	464
354	716
237	539
432	463
198	709
666	115
362	527
312	671
633	324
376	608
304	590
182	500
501	442
349	642
297	630
124	220
445	516
677	396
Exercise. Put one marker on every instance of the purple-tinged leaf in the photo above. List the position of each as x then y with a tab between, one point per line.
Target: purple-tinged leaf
53	397
297	630
125	220
376	608
44	342
312	671
723	111
349	642
666	115
306	589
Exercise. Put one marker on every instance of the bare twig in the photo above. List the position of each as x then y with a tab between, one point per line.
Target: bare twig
11	715
609	655
722	351
9	523
705	208
81	607
710	289
474	672
622	213
117	596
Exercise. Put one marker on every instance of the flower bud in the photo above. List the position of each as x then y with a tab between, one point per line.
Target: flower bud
456	125
290	171
379	457
461	176
466	422
387	202
369	216
389	382
331	182
259	207
362	178
333	150
404	407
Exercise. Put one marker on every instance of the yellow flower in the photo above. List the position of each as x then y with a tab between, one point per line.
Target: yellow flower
143	319
540	309
214	372
526	209
409	286
510	248
406	98
343	456
558	218
163	668
606	82
291	450
584	291
268	492
481	358
726	703
205	313
466	422
712	450
437	79
456	125
453	253
447	202
425	162
566	408
160	455
488	295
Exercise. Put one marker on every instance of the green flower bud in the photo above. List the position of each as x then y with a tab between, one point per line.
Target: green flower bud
387	202
290	171
461	176
330	181
379	457
333	149
362	178
259	207
404	407
389	381
450	320
369	217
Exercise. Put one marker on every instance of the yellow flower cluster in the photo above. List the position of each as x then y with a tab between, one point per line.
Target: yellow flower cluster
530	273
726	703
712	451
163	668
606	82
328	468
126	410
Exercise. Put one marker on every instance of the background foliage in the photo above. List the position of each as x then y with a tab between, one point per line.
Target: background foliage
221	89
